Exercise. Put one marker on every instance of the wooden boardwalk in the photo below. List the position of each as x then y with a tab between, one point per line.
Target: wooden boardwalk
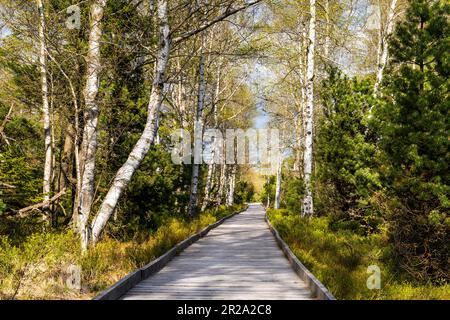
238	260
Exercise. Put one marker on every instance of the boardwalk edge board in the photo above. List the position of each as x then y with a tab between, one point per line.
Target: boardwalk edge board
118	289
317	288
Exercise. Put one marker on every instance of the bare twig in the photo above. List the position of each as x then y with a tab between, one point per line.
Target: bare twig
206	25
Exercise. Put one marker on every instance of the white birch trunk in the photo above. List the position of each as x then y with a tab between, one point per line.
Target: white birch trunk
383	50
231	186
142	146
48	161
298	140
208	185
309	113
193	199
89	143
222	183
278	185
211	168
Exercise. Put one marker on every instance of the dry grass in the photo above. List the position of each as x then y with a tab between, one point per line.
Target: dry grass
39	267
339	259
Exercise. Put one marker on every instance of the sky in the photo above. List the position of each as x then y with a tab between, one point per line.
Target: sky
258	79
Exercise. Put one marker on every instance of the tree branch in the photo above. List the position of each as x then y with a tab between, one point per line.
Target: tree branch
226	14
37	206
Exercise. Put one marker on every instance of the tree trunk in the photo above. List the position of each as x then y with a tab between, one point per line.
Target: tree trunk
383	52
211	167
66	157
193	200
208	185
142	146
222	183
298	141
89	144
231	186
309	113
48	162
278	185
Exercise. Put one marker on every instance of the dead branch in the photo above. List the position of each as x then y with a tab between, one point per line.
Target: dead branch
22	212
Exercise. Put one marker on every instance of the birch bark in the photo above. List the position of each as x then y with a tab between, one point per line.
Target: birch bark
278	185
89	143
383	51
48	161
231	186
125	173
222	183
208	185
309	113
193	200
212	166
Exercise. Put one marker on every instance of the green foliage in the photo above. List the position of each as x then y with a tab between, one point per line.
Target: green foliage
153	196
414	124
339	259
23	178
267	194
347	178
244	192
2	205
20	161
293	191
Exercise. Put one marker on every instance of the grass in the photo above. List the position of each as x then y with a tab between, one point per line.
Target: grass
340	258
39	267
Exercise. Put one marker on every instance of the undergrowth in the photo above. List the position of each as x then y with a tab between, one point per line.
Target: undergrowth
39	268
339	258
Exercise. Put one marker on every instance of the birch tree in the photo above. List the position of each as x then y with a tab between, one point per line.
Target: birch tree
89	144
198	131
231	185
140	149
309	113
48	162
278	184
142	146
222	183
384	33
212	167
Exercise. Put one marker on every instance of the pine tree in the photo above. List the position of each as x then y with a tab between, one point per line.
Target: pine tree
414	131
346	175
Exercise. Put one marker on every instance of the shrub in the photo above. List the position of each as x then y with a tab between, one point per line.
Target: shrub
339	258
